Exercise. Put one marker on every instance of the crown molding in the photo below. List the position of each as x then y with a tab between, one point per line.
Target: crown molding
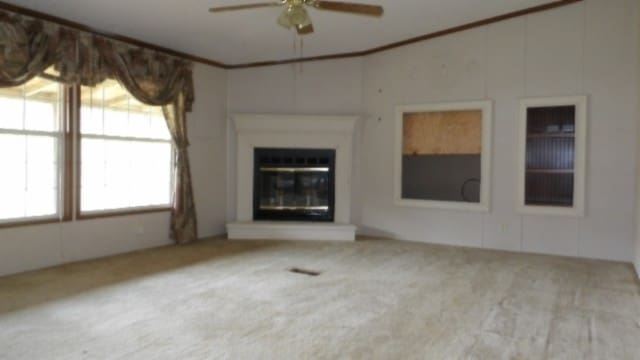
211	62
429	36
78	26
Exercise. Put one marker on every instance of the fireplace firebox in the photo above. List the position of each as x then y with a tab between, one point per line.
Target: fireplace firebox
294	184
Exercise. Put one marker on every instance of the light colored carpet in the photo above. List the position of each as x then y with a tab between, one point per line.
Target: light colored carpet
373	300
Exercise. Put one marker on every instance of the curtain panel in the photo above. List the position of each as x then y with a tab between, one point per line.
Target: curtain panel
33	47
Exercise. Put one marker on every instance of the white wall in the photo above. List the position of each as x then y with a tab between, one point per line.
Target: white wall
637	239
586	48
326	88
208	151
32	247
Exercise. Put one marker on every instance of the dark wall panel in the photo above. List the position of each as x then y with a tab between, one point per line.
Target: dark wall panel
441	177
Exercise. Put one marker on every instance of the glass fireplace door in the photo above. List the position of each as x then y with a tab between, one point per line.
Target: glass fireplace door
294	185
295	189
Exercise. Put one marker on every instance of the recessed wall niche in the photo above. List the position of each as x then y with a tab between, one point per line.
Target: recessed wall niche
443	155
552	155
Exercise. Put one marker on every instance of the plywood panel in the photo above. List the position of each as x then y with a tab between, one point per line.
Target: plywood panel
442	132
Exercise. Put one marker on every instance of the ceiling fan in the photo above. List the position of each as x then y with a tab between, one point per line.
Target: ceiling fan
294	14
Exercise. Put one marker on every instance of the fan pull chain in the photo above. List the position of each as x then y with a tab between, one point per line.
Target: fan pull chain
294	67
295	52
295	45
301	53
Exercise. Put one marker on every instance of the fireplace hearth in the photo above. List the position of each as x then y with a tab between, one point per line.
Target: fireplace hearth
294	184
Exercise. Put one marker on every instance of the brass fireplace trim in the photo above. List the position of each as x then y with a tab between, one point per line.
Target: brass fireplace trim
293	208
294	169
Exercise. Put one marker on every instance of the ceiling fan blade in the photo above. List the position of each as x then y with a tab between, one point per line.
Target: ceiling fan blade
244	7
362	9
306	29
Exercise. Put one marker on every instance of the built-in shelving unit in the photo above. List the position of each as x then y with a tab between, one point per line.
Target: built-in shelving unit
552	141
550	154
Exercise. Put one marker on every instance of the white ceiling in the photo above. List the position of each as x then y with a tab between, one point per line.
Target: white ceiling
253	35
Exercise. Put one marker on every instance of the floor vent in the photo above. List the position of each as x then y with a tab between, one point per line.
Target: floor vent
304	271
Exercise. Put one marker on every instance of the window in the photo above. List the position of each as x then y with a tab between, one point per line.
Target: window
125	150
552	156
443	155
31	151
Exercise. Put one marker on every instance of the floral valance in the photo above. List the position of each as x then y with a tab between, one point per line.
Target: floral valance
33	47
30	46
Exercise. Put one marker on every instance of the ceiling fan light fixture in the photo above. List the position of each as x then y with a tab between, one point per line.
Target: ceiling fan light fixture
284	20
298	15
294	16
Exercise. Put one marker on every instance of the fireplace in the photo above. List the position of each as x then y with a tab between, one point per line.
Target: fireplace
293	167
294	184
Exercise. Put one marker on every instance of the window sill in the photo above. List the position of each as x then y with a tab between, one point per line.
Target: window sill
443	205
85	216
30	222
120	212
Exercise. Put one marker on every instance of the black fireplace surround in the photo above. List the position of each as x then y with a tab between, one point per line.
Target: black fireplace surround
294	184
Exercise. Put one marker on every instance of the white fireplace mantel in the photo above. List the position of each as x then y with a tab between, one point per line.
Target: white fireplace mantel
293	131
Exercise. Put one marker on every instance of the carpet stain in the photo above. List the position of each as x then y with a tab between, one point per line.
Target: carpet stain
301	271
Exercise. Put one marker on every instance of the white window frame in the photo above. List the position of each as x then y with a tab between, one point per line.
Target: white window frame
81	214
486	107
580	158
59	135
121	210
